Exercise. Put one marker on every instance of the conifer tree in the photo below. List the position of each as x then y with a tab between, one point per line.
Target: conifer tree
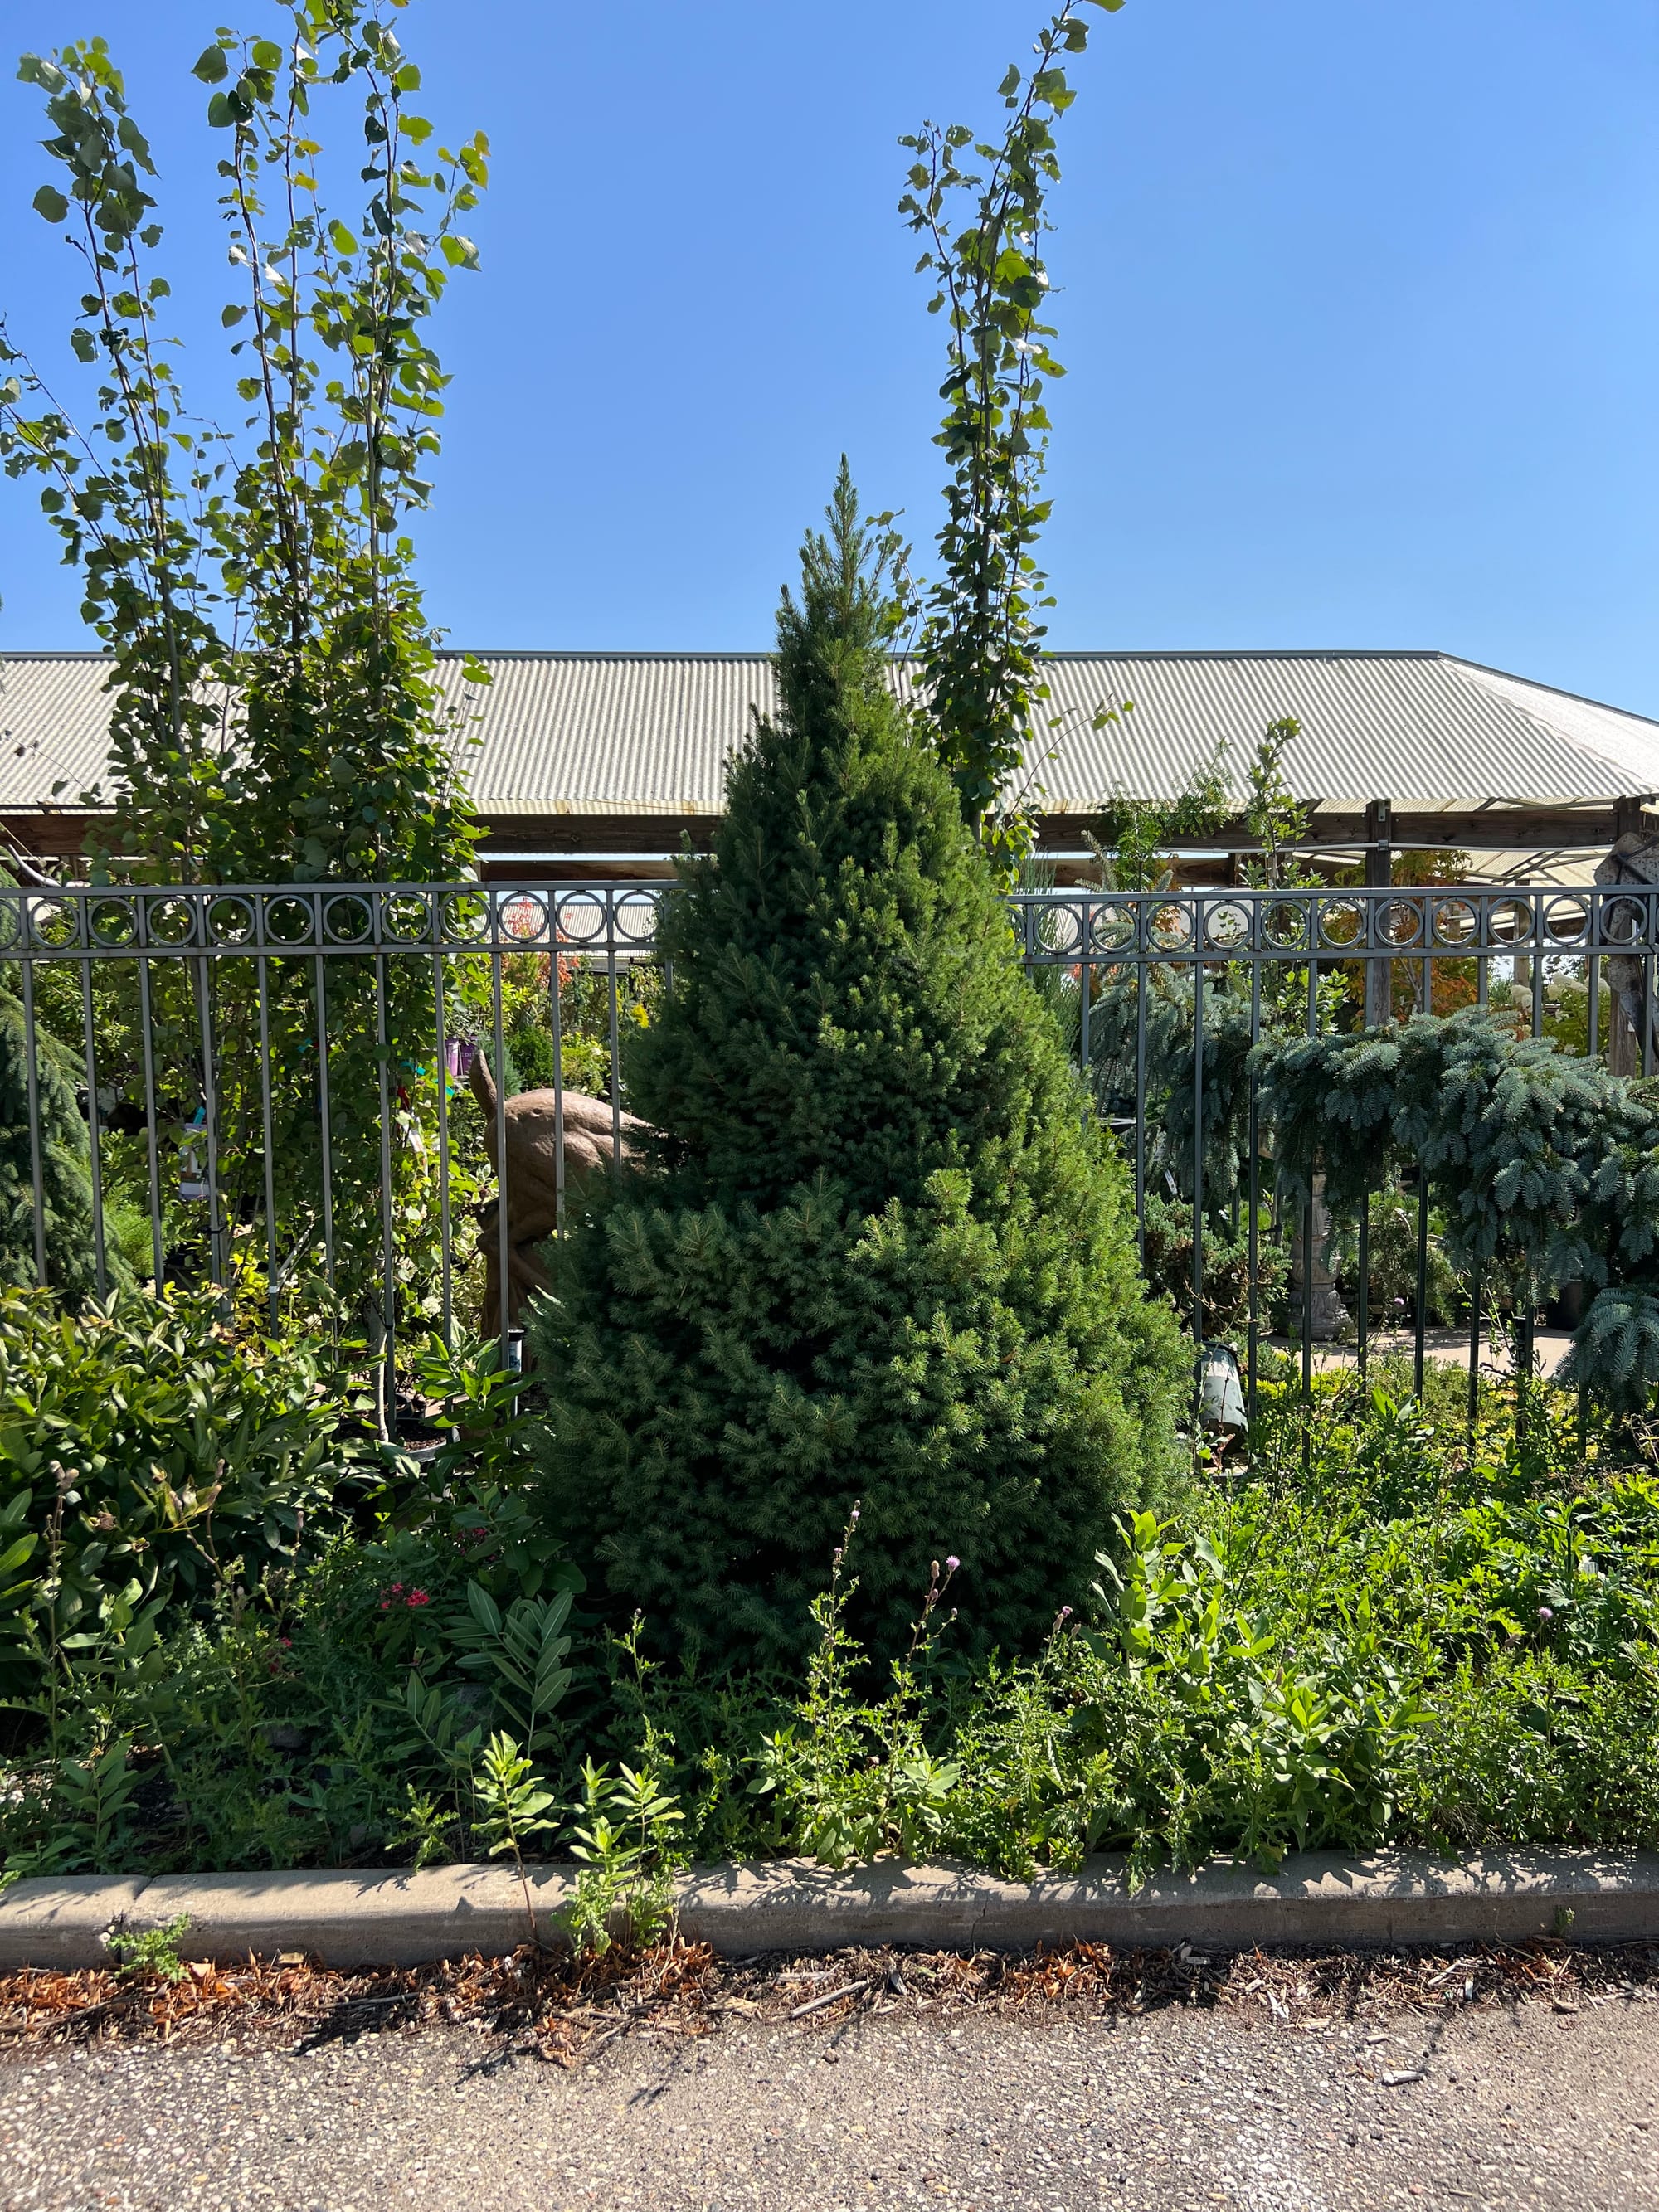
65	1162
884	1255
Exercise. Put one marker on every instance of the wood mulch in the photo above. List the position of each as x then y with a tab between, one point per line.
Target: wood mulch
569	2010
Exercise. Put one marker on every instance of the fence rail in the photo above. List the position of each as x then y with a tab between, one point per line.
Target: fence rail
232	1034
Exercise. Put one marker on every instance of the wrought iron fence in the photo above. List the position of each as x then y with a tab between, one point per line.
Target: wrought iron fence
273	1078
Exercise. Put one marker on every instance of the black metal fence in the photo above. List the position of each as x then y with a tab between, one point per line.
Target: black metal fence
278	1089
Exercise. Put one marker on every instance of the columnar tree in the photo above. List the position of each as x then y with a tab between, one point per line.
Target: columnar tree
277	714
982	631
884	1255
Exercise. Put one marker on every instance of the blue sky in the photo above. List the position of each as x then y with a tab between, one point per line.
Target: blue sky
1359	305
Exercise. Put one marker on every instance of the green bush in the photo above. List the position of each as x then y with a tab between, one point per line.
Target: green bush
1410	1637
146	1455
886	1255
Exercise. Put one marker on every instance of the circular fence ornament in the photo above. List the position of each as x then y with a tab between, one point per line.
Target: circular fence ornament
230	922
113	923
1342	924
1454	922
291	920
171	923
1227	925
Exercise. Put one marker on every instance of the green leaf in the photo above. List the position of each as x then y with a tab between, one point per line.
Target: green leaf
84	345
1011	84
341	239
221	112
36	69
408	78
50	203
231	316
459	252
211	65
14	1554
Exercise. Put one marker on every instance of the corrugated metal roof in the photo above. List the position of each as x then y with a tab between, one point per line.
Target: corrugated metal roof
622	733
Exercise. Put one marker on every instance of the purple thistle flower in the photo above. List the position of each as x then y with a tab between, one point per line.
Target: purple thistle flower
953	1563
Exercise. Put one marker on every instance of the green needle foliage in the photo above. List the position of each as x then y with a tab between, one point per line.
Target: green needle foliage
885	1254
65	1163
1546	1167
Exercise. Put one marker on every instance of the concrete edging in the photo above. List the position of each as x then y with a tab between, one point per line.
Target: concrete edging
1316	1900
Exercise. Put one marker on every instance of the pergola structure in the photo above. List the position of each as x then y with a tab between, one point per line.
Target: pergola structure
607	763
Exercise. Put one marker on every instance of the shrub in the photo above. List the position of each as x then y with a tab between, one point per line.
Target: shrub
143	1449
885	1253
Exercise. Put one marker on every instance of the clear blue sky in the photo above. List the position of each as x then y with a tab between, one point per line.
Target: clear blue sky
1359	303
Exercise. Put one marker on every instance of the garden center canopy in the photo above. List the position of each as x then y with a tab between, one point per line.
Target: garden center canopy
617	758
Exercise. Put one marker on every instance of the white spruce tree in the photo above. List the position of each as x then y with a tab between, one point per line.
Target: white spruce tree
884	1255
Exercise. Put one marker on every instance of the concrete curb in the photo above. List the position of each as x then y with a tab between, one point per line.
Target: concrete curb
1316	1900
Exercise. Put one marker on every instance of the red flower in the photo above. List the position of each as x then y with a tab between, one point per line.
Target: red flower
417	1597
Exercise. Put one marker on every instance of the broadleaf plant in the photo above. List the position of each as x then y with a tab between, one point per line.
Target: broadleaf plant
982	627
278	710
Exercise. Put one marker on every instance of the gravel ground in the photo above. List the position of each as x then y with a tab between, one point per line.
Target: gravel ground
1498	2105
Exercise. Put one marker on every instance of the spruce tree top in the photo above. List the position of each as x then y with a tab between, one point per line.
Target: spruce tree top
833	1007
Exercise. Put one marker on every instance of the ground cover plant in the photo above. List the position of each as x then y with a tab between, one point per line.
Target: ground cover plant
1386	1629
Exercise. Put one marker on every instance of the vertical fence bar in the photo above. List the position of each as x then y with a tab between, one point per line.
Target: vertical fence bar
1308	1228
1647	1005
616	1039
262	964
1475	1294
1198	1141
1594	965
388	1255
1363	1318
1253	1309
556	986
1419	1316
324	1118
503	1247
217	1270
101	1258
33	1091
152	1104
447	1280
1537	968
1085	982
1140	1082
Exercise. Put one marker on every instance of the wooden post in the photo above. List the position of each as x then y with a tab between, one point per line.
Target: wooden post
1379	874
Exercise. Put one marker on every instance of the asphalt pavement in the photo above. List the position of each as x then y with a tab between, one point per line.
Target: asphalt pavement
1501	2107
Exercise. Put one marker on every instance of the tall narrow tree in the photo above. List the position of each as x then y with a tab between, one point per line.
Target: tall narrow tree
884	1253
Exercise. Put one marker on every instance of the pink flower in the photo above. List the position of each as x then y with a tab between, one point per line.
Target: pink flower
1065	1613
1545	1613
417	1597
952	1563
397	1590
385	1605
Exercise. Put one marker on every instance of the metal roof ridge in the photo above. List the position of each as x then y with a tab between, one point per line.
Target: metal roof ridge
1557	691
